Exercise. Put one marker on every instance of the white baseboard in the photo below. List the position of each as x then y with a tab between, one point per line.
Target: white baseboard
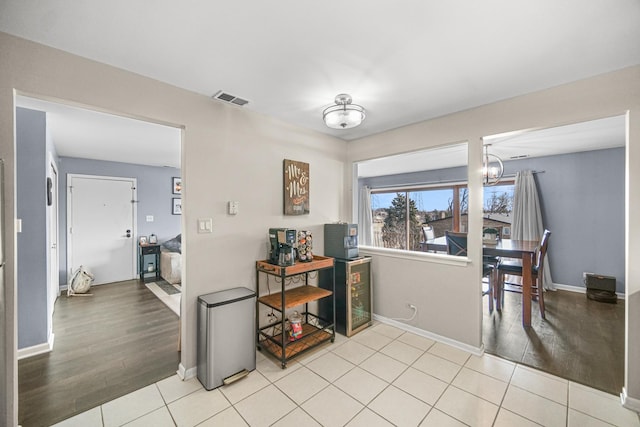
578	289
186	374
629	402
46	347
478	351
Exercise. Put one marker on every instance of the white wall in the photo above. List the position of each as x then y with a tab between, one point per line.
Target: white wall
228	153
601	96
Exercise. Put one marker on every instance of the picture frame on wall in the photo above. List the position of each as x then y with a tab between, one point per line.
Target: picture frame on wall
296	187
176	185
176	206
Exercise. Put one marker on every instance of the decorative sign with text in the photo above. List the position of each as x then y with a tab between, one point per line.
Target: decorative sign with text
296	187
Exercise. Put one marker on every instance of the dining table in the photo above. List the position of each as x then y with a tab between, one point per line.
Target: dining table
505	248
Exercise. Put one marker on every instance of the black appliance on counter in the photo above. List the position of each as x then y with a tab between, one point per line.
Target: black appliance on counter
341	240
282	243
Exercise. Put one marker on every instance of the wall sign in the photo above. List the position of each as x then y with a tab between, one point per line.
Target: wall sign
296	187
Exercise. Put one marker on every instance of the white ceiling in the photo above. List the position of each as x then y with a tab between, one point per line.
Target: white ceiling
87	134
404	61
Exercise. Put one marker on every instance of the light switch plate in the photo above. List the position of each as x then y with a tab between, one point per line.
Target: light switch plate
205	225
149	218
233	207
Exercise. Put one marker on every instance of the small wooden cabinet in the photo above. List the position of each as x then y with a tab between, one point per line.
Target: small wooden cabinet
316	329
145	250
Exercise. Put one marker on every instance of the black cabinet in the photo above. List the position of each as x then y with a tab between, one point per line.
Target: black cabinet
146	253
354	299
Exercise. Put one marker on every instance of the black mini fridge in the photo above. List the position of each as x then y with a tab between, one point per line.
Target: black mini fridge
353	295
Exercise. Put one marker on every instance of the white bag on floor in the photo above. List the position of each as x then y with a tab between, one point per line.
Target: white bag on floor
80	281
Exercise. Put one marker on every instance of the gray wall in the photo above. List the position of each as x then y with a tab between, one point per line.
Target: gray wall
31	171
432	177
154	198
582	198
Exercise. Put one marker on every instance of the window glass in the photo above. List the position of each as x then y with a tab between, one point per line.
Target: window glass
415	197
431	211
498	207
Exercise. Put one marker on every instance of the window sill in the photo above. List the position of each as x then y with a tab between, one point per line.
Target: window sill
429	257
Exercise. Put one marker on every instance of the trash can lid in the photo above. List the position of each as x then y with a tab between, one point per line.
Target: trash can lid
226	297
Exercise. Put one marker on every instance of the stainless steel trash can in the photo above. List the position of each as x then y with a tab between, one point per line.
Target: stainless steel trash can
226	336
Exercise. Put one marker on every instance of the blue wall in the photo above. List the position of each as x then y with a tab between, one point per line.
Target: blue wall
31	172
154	197
582	198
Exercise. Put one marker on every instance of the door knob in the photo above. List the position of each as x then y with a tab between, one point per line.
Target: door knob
128	233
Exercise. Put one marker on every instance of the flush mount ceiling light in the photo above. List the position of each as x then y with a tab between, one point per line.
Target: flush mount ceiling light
492	168
343	115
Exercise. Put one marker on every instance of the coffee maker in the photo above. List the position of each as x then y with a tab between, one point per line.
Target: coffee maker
282	243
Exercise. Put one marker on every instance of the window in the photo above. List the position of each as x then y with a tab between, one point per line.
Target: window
399	216
497	208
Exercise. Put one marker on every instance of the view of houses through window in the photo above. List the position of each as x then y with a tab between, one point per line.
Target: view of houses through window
400	215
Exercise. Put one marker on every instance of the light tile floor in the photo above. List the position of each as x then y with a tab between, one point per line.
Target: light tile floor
380	377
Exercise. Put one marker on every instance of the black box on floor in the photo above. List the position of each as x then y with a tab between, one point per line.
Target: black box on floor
601	288
600	282
602	296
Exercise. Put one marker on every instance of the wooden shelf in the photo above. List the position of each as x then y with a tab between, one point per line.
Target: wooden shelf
294	297
318	263
301	344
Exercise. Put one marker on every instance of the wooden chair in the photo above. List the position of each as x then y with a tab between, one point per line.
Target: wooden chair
457	245
514	268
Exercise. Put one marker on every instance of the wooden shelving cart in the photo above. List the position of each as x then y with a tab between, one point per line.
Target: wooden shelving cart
273	337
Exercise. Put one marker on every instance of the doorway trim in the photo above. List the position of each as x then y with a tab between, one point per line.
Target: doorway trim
54	231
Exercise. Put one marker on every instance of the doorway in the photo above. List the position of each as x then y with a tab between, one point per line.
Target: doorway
100	227
580	181
98	144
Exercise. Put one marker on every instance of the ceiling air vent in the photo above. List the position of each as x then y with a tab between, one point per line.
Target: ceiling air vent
226	97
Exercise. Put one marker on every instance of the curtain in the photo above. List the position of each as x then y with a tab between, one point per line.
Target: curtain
365	219
527	217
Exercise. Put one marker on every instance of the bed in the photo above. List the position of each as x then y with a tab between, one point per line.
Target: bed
171	260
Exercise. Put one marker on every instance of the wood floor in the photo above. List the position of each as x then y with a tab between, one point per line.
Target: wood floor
118	340
580	340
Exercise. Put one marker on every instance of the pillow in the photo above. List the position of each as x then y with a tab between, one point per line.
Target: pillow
173	245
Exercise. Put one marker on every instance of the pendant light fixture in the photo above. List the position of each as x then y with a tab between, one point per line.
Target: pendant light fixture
343	115
492	168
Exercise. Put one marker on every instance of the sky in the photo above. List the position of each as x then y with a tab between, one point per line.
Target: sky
433	199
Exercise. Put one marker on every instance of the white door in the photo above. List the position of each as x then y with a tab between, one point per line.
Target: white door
54	267
101	227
